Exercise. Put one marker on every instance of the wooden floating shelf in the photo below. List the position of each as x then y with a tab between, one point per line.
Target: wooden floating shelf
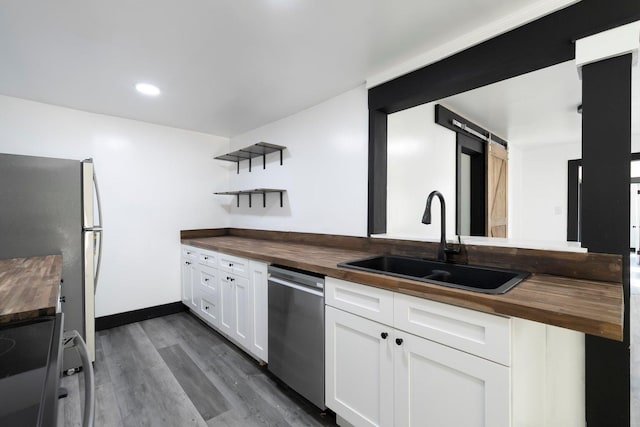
262	191
261	149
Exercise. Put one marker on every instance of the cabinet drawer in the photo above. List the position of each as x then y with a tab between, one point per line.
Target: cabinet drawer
209	309
208	279
209	258
233	264
232	279
189	252
366	301
482	334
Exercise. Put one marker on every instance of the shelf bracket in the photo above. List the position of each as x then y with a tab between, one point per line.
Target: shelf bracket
238	200
238	167
281	195
280	160
264	201
249	164
264	160
249	199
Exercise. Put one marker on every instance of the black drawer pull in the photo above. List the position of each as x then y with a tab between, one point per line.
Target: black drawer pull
384	335
399	341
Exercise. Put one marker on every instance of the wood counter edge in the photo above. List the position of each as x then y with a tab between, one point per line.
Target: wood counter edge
488	303
51	276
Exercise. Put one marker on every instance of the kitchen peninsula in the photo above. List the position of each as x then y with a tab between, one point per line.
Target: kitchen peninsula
578	291
516	357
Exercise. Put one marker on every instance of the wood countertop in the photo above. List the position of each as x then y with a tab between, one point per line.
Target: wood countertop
592	307
29	287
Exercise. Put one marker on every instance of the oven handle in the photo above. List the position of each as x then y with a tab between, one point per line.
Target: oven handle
296	286
74	339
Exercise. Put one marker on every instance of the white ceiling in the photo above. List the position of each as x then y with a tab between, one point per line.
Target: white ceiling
535	108
224	67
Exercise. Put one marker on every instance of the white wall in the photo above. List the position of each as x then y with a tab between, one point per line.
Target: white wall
324	171
421	157
154	181
538	190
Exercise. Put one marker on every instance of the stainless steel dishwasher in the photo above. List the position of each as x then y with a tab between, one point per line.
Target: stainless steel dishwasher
296	331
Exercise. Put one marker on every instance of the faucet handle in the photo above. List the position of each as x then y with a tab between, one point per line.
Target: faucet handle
457	250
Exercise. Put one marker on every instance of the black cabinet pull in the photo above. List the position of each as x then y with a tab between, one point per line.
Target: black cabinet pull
399	341
384	335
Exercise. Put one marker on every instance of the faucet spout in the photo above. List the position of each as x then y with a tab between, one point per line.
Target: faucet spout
426	219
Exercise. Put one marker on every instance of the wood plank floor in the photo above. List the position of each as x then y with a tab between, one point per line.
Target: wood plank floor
175	371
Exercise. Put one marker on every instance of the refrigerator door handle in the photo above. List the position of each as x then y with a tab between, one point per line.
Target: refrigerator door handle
98	229
98	201
72	339
99	261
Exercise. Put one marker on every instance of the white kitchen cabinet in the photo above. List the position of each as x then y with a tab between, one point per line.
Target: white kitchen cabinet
189	277
423	370
436	385
259	314
380	376
359	369
230	294
234	308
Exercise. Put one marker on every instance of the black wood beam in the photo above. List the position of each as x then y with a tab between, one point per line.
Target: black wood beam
573	200
539	44
606	160
377	212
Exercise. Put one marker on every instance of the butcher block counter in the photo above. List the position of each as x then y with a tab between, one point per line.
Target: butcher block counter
582	304
29	287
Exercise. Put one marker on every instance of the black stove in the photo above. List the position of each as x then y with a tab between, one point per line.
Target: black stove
29	372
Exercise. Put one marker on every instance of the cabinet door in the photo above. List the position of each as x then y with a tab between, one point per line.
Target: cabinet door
187	270
359	369
227	304
439	386
242	331
258	303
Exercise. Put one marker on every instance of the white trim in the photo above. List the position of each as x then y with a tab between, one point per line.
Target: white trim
486	32
608	44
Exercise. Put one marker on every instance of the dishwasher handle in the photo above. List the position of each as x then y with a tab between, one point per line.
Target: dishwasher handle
74	339
302	288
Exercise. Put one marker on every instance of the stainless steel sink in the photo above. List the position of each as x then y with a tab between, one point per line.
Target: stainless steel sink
472	278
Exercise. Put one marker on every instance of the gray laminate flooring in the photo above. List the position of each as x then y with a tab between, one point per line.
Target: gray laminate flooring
175	371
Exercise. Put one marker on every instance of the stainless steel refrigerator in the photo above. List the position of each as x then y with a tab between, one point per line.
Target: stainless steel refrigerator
50	206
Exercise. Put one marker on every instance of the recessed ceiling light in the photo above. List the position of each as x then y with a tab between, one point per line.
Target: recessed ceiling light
147	89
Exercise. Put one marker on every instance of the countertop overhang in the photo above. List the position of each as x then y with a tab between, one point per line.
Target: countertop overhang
589	306
29	287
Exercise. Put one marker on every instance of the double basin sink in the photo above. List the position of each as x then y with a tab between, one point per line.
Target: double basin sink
472	278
